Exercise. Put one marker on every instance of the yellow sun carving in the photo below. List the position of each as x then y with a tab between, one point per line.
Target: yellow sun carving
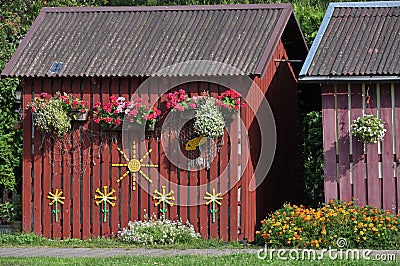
134	165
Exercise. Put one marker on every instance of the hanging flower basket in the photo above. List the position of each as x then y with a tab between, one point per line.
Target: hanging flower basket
50	115
368	129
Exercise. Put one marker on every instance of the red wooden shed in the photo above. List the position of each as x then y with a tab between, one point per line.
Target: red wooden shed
356	59
97	52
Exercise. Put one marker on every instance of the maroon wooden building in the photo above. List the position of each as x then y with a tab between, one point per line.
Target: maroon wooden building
356	59
113	51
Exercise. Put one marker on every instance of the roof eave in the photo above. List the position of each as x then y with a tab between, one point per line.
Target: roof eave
326	21
347	79
287	10
6	72
160	8
317	40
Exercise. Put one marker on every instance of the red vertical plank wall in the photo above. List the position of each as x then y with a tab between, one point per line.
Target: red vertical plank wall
81	162
343	142
329	126
387	158
54	179
359	167
28	159
37	173
95	91
353	170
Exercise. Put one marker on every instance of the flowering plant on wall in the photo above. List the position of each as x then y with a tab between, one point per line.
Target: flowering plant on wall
179	101
74	106
368	129
212	113
209	120
112	113
49	114
140	112
230	100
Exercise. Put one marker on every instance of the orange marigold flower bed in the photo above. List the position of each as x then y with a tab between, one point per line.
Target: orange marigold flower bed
302	227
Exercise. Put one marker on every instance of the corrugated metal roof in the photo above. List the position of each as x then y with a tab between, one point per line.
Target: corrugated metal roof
356	39
140	41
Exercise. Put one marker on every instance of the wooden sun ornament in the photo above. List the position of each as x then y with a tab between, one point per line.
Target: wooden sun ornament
213	198
55	199
134	165
105	197
163	198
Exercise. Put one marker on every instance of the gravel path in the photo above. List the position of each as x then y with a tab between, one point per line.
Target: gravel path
113	252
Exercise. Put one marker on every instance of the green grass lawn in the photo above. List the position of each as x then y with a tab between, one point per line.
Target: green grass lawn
32	240
242	259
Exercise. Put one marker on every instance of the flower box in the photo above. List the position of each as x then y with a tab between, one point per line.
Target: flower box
78	116
132	127
116	110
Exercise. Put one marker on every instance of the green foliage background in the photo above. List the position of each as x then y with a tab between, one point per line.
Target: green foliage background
15	19
313	161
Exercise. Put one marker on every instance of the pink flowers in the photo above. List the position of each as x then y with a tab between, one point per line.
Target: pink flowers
113	112
68	102
71	103
179	101
230	100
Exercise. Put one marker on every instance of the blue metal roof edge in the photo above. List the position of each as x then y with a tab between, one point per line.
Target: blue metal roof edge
326	20
367	4
317	40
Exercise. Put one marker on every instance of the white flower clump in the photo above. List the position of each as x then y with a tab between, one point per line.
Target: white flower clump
209	120
368	129
52	117
156	231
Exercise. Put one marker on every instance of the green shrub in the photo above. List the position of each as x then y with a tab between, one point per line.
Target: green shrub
7	212
21	239
360	227
313	159
155	231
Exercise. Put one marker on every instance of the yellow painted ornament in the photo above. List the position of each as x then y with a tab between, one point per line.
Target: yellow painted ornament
163	198
55	199
134	165
213	199
105	197
192	144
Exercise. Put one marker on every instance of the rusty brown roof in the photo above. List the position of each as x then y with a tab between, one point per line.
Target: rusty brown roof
356	40
139	41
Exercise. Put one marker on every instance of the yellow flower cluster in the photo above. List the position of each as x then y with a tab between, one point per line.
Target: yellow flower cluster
361	226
